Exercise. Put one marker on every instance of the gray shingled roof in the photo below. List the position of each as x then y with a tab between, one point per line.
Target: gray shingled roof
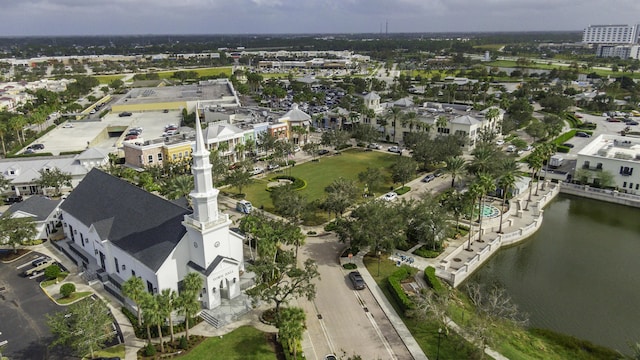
143	225
38	206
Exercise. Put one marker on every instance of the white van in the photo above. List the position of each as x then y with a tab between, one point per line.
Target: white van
244	206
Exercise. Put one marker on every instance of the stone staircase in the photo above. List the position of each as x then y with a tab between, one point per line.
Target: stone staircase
212	320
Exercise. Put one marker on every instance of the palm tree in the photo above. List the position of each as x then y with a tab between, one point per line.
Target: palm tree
508	177
472	194
134	289
456	166
535	164
154	315
492	114
167	303
394	114
486	183
178	186
291	326
483	159
3	131
188	298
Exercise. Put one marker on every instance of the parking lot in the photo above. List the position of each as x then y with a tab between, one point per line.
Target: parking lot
78	135
23	309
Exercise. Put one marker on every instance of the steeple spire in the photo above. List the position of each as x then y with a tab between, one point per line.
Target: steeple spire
204	196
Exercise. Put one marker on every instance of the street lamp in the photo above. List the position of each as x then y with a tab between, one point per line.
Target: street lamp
439	335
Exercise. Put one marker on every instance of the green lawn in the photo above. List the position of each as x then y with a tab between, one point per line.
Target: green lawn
73	297
509	340
203	72
114	351
243	343
320	174
107	79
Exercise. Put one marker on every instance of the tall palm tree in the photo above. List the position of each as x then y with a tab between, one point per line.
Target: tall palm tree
483	159
486	183
456	166
394	114
178	186
508	176
134	289
535	164
154	315
492	114
167	302
472	193
188	298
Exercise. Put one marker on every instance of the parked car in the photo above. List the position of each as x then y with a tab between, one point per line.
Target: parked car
569	145
257	170
374	146
612	119
323	152
272	166
12	199
395	149
438	173
124	114
500	142
244	206
40	261
428	178
632	122
67	126
582	134
36	147
131	137
357	280
330	357
390	196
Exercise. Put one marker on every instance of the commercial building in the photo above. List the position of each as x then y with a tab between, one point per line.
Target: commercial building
616	155
611	34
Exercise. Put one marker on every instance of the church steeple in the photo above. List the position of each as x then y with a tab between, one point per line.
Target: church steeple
204	196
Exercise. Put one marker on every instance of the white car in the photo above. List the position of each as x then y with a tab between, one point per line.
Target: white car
500	142
374	146
257	170
390	196
67	126
395	149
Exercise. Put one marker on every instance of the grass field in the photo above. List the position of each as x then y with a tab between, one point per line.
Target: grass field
107	79
203	72
243	343
114	351
320	174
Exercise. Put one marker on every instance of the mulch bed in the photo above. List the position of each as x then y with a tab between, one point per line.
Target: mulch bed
275	345
7	255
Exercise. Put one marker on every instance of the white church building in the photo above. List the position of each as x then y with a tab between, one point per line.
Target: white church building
124	231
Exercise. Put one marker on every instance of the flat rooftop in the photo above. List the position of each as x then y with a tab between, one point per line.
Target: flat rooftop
195	92
613	147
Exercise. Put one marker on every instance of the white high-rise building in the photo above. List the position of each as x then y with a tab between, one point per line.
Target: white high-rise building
611	34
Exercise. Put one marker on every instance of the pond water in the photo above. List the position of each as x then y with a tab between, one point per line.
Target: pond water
579	274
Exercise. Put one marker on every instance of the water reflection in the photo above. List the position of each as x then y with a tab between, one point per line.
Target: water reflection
579	273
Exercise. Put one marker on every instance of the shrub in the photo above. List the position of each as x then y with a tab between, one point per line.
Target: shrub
432	280
402	190
350	266
67	289
564	137
330	226
397	292
424	252
297	183
562	149
52	272
149	350
184	344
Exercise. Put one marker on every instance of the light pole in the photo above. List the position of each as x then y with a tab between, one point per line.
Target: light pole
439	335
378	262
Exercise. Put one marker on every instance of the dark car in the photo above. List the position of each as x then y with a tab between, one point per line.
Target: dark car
124	114
357	280
569	145
323	152
582	134
37	146
631	122
438	173
13	199
428	178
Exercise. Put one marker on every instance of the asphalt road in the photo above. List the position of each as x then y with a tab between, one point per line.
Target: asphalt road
23	309
340	320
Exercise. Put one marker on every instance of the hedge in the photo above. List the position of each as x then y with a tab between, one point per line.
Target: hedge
432	280
397	292
563	149
298	184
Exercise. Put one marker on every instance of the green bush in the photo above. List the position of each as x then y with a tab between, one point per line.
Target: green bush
563	138
397	292
563	149
350	266
184	344
432	280
402	190
343	146
52	272
424	252
330	226
297	183
71	152
149	350
67	289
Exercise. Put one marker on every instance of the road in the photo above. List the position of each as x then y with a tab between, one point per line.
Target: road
340	320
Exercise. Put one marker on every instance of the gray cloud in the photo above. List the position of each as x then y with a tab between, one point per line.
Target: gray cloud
78	17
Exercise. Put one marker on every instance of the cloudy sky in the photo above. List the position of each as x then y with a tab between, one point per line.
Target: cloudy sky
112	17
